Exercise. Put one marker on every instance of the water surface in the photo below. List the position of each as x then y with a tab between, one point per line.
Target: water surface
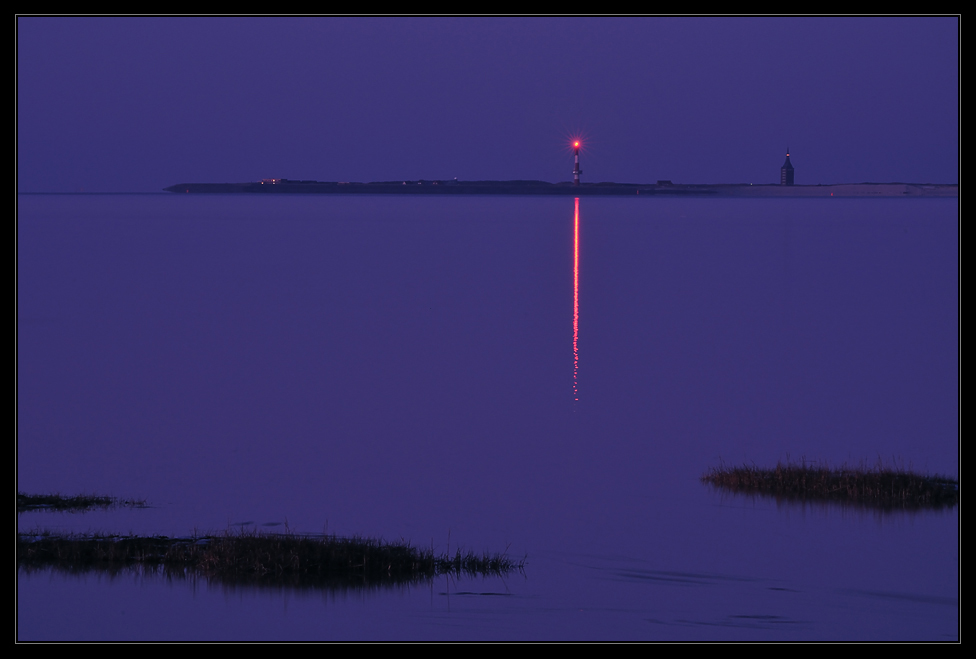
425	368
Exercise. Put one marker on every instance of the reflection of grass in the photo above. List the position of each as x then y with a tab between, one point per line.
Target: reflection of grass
256	557
881	486
27	502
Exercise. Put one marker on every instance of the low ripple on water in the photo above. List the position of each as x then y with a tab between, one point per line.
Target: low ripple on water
756	621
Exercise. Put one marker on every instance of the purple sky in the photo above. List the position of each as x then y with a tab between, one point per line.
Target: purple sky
137	104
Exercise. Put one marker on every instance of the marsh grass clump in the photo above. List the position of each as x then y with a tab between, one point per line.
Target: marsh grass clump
254	556
81	503
881	486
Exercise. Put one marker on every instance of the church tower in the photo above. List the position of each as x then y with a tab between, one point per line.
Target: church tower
786	171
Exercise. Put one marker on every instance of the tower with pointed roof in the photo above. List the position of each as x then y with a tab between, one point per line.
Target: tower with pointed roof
786	171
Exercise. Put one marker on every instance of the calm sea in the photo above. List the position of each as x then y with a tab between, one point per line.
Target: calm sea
479	373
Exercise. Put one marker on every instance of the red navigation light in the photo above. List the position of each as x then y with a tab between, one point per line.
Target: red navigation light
575	141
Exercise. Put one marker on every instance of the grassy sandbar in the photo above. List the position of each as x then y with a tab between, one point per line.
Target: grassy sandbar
27	502
880	486
253	555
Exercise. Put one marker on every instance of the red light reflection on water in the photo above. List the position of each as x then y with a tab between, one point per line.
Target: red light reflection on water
576	302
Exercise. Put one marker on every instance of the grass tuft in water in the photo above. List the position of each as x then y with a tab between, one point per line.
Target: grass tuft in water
252	555
880	486
81	503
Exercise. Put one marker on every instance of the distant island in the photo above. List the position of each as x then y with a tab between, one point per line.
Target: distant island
569	189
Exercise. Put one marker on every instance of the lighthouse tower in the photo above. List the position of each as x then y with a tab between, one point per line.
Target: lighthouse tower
576	170
786	171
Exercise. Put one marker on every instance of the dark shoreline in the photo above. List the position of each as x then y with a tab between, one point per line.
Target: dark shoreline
542	188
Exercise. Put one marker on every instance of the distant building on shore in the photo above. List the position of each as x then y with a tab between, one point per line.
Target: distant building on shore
786	171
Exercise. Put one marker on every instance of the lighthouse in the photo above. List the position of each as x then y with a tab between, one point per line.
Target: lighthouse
786	171
576	170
